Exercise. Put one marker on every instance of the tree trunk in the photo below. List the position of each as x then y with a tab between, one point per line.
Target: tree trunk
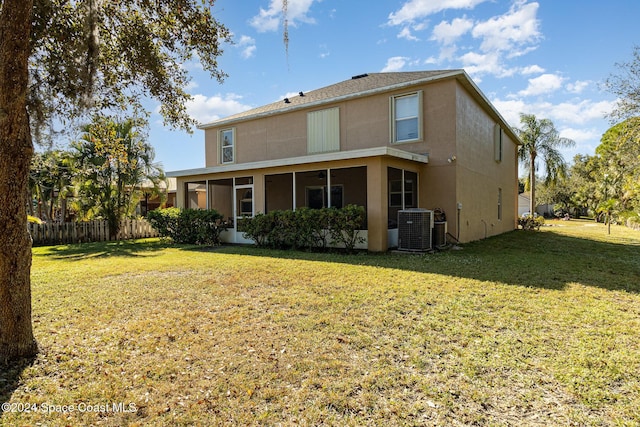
16	150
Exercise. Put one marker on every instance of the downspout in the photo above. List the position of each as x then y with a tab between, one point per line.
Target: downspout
459	206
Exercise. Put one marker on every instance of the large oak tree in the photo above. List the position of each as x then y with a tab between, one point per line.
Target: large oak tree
62	59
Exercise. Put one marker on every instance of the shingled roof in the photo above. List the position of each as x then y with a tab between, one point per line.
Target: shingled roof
356	86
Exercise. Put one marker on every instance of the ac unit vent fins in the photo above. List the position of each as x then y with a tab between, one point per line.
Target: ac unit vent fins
415	230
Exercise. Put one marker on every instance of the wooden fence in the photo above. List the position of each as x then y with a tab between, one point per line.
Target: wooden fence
91	231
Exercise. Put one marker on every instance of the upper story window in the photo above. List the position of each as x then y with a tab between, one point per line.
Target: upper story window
227	143
406	117
323	131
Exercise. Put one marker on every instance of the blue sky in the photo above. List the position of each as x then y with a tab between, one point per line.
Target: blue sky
545	57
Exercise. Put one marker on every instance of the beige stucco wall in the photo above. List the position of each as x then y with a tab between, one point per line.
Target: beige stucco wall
480	176
454	125
364	123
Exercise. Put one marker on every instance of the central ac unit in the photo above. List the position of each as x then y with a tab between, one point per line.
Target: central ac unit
415	229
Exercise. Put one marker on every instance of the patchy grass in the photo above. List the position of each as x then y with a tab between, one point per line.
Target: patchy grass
527	328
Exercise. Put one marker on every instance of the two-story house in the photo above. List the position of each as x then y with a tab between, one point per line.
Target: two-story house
385	141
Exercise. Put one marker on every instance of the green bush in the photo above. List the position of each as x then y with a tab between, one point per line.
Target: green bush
258	228
312	227
306	228
164	221
190	226
345	226
530	222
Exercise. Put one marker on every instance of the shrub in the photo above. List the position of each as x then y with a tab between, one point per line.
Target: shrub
258	228
306	228
529	222
345	226
190	226
312	228
164	221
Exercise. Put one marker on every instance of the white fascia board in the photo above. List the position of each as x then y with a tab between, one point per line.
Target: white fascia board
315	158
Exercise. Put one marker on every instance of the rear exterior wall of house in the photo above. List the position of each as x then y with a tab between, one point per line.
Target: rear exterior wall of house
474	185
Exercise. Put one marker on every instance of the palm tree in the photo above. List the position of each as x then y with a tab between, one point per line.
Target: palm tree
50	183
115	161
541	139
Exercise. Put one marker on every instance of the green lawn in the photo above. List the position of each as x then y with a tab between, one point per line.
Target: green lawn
528	328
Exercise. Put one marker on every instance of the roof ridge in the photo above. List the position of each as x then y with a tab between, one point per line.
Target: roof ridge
358	84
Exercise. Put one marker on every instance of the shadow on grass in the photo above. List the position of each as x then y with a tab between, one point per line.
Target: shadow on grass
124	248
10	379
532	259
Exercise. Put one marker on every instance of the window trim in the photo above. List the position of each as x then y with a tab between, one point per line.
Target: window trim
221	147
393	121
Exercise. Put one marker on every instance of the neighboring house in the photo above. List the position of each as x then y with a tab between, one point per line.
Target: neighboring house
151	200
385	141
523	203
546	210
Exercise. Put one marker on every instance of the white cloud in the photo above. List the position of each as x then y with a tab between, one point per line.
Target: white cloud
516	28
246	40
207	109
248	52
413	10
447	53
447	33
578	86
509	35
511	109
270	19
395	63
580	120
567	114
545	83
406	34
532	69
579	135
248	45
580	112
191	85
482	63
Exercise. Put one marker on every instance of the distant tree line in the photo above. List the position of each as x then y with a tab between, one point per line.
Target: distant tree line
606	185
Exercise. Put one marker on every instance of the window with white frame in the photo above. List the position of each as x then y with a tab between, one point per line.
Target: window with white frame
227	145
406	117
